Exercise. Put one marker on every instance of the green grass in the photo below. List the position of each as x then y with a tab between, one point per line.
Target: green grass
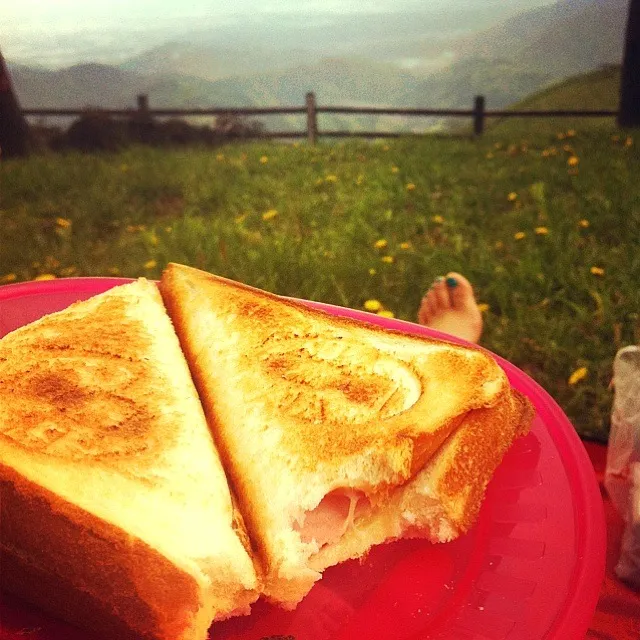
130	213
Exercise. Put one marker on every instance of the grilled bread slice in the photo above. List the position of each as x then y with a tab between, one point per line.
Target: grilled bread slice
331	430
115	512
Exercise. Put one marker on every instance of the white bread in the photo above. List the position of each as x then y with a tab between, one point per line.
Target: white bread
115	512
304	405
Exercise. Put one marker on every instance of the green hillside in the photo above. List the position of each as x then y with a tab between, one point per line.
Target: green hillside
597	90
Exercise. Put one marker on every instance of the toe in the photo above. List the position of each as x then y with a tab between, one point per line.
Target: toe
440	295
460	291
425	312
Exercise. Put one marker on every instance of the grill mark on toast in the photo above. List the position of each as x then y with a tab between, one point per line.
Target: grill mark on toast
74	392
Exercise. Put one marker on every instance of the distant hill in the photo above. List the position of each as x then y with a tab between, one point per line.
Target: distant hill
527	53
419	36
79	86
335	81
593	91
561	39
502	82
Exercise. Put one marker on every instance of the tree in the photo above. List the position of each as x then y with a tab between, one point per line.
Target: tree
14	130
629	113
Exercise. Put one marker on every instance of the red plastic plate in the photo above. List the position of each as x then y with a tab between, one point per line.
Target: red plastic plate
531	568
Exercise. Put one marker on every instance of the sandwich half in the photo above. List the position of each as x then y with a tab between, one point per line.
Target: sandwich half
337	435
115	512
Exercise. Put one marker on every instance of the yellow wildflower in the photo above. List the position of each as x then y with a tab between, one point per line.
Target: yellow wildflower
264	160
561	136
150	264
64	223
571	133
10	277
359	179
410	186
385	313
372	271
573	161
489	155
240	219
124	168
546	153
319	181
568	148
483	307
269	215
385	147
597	271
519	235
499	244
577	375
583	223
45	276
394	169
380	244
437	219
113	271
373	305
541	231
387	259
628	142
68	271
220	157
512	197
405	245
331	178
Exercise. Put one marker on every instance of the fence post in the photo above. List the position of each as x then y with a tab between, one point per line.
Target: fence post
478	116
312	118
144	117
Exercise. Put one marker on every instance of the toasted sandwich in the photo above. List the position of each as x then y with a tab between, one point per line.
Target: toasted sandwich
338	435
115	512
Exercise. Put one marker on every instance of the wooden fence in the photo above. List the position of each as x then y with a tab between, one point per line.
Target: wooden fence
478	113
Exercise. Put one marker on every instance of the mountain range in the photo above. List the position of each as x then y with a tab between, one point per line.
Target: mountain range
373	65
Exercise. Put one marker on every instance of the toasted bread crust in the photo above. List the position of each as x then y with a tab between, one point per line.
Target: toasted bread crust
469	458
127	584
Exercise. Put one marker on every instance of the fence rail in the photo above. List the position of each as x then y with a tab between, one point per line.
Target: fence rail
311	109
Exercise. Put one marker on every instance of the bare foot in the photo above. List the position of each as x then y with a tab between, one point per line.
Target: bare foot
451	307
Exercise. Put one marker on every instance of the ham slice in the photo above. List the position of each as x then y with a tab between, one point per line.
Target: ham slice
331	519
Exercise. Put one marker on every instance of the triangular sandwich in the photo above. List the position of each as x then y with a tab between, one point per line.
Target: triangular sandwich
115	512
337	435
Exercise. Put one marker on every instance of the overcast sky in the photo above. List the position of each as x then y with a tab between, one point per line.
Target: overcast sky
70	14
59	33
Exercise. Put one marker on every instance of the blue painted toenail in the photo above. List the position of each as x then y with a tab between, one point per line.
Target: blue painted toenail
452	282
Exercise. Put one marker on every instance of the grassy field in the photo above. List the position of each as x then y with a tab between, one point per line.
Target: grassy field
547	227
